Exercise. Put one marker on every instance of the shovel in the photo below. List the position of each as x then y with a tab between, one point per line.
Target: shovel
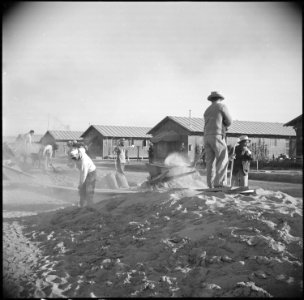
232	162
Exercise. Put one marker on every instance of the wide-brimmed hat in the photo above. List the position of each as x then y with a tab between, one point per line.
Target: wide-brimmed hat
215	96
243	138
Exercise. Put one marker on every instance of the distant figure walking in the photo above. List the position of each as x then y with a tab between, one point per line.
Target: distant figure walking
217	120
121	154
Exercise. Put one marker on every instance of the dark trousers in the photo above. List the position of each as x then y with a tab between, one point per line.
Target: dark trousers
86	191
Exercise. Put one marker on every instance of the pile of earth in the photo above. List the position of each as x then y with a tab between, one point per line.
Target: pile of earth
165	244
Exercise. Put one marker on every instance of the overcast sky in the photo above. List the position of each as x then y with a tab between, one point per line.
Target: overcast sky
72	64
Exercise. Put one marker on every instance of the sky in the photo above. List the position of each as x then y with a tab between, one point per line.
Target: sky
69	65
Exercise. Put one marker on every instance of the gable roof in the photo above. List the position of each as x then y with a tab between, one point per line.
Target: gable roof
294	121
121	131
196	125
65	135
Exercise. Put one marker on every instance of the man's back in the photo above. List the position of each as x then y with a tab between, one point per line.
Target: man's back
217	119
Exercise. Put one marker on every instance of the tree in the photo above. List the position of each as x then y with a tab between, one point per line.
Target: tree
260	152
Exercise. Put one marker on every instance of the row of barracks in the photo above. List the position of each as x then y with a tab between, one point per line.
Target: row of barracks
168	135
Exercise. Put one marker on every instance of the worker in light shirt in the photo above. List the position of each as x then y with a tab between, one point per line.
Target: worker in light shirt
47	156
87	178
217	120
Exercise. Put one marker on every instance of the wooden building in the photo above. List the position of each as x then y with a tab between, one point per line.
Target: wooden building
102	139
60	138
171	132
296	123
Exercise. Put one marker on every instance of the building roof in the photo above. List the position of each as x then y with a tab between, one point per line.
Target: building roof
121	131
294	121
35	138
196	125
65	135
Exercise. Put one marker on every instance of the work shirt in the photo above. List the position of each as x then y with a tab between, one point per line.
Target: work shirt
217	119
85	166
48	150
121	154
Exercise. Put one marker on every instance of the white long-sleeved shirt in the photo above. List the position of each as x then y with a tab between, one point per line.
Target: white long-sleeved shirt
85	166
27	143
48	149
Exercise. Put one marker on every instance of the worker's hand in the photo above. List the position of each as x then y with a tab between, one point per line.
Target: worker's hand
232	157
246	151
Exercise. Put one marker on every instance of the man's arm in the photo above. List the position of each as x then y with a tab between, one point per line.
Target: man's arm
227	119
83	173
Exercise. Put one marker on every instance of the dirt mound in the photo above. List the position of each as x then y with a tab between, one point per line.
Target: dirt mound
171	244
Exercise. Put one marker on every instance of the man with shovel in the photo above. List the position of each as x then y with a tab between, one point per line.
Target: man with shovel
87	178
217	120
240	167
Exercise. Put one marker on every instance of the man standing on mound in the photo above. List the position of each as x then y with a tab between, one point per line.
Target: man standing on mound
87	178
217	121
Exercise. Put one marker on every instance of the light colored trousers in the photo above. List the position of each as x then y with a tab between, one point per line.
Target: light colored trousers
216	160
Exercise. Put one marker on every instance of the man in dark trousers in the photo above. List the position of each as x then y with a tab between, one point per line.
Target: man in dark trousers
217	120
242	158
87	178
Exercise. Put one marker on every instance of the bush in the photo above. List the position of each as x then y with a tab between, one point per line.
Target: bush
276	165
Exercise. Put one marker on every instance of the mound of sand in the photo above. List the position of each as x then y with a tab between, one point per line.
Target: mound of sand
167	244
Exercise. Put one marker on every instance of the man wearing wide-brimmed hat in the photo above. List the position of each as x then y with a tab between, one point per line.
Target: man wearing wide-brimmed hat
217	120
241	165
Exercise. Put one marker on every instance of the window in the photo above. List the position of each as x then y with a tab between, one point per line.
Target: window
190	147
287	146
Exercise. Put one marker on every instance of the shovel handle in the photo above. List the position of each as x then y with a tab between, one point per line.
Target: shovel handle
231	168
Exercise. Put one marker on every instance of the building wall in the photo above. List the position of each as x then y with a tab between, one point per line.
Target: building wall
163	149
100	146
195	145
140	149
95	142
275	145
62	149
299	140
47	139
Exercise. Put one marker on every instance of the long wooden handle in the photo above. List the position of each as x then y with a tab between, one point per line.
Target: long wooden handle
232	165
18	171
